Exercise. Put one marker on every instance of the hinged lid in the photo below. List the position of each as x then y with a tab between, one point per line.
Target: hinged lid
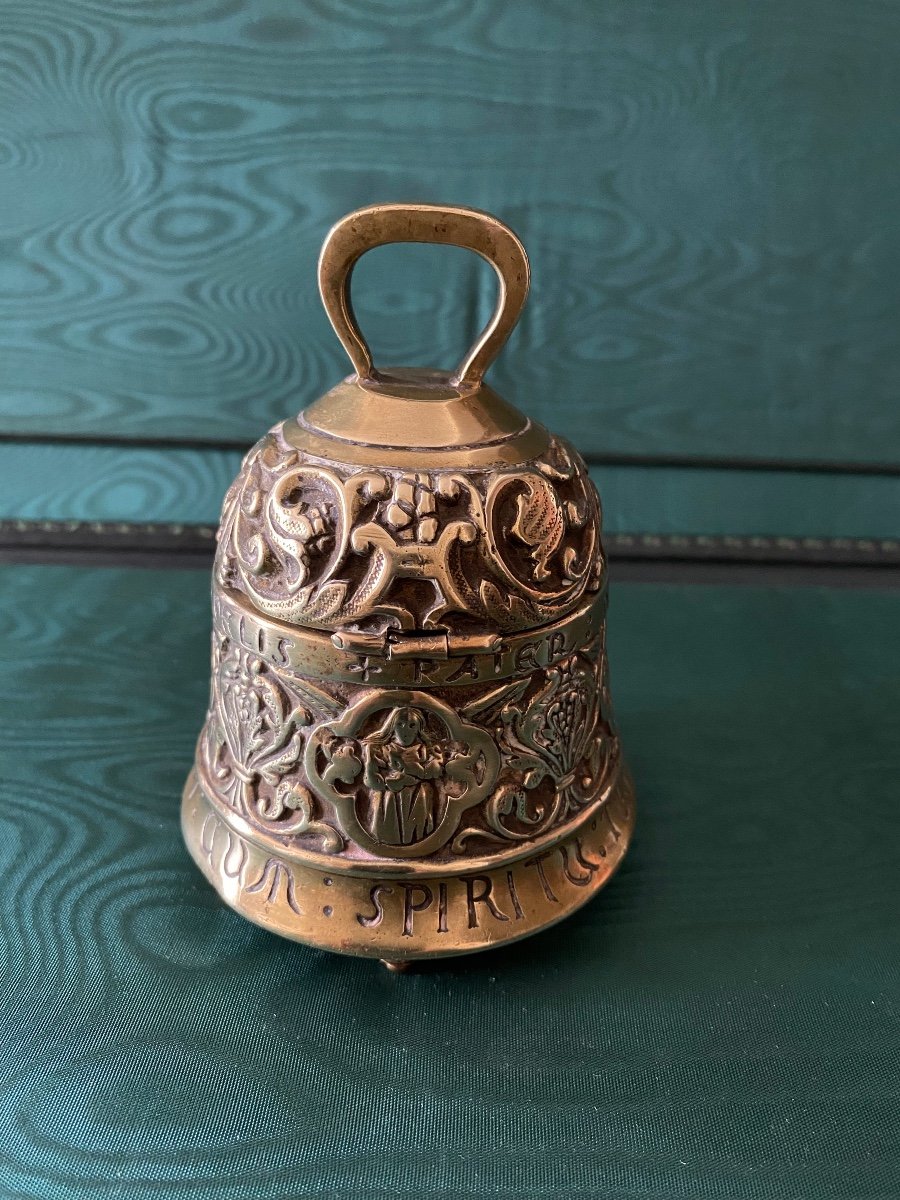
412	509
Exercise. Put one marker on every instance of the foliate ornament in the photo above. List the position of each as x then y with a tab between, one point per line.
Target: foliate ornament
332	547
562	732
410	749
400	768
542	527
254	741
558	745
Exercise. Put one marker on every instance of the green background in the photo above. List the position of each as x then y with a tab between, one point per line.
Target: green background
708	193
721	1022
108	483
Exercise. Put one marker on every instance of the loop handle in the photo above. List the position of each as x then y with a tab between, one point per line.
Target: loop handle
382	224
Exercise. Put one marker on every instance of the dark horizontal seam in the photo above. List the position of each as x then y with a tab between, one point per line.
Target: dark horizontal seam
186	538
714	463
755	574
862	551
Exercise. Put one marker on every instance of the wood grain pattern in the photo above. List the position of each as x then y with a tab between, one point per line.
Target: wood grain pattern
107	483
708	193
44	482
721	1023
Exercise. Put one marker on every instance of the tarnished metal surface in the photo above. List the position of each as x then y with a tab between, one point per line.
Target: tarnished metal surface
410	749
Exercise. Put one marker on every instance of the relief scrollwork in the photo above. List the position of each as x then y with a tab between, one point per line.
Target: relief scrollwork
411	537
254	742
329	546
400	768
557	742
285	530
543	532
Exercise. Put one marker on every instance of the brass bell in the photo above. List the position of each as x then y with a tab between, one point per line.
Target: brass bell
410	748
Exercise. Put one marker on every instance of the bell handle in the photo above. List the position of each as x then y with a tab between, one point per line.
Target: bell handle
383	224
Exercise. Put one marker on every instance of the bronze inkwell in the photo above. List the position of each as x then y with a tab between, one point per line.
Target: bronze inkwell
410	748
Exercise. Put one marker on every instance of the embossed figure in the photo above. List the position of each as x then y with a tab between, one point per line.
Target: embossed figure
401	774
401	767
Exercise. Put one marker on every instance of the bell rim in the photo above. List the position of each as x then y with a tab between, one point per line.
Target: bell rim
364	945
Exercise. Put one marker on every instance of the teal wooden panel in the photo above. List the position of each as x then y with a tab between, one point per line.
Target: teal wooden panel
46	482
720	1023
111	483
708	192
770	503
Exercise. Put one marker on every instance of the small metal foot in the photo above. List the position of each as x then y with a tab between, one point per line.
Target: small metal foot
395	966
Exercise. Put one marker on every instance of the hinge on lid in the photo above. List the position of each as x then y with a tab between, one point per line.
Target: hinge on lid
397	643
417	645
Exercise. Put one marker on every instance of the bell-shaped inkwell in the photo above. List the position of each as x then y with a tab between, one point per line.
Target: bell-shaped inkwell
410	748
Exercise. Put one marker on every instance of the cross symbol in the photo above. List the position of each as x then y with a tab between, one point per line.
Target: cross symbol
364	667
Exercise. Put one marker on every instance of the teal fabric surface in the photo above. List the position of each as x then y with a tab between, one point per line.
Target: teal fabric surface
51	482
721	1023
708	192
